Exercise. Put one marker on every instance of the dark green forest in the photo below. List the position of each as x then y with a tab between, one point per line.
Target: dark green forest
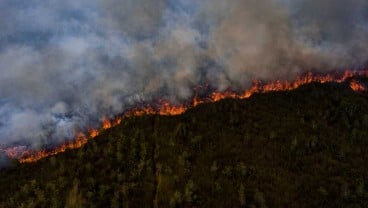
302	148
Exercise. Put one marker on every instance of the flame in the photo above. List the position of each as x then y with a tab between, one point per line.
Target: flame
163	107
15	152
78	142
357	86
93	133
106	123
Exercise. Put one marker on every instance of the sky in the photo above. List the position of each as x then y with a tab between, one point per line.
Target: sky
65	65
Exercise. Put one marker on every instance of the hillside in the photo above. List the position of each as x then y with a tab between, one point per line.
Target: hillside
302	148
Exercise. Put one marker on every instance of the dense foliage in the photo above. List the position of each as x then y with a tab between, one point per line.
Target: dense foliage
301	148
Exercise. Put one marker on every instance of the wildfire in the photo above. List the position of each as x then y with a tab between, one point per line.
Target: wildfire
34	156
106	123
357	86
163	107
93	133
15	152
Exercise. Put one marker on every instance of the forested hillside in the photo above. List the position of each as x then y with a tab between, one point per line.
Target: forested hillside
302	148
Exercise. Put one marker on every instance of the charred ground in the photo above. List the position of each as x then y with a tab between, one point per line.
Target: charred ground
302	148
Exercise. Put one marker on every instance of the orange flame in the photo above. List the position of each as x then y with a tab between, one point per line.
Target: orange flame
93	133
357	86
106	123
166	108
78	142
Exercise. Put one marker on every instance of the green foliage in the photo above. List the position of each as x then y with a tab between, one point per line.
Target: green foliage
302	148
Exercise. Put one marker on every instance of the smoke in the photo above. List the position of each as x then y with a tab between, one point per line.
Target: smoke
66	64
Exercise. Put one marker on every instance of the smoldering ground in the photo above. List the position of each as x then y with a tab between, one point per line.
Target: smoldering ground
66	64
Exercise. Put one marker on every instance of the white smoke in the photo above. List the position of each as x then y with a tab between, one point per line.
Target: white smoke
66	64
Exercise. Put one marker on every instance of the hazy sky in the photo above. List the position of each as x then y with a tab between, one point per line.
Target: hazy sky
66	64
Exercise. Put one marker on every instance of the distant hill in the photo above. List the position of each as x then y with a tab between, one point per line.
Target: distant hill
302	148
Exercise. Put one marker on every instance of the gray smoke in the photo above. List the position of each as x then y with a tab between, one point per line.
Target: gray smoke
67	64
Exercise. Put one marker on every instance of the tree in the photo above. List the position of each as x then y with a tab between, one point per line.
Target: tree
74	199
241	192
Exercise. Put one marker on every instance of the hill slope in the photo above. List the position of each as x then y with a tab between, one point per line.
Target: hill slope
301	148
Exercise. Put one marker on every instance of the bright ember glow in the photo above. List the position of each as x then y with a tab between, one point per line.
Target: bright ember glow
163	107
357	86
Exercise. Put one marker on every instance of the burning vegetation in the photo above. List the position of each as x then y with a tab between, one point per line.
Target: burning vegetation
163	107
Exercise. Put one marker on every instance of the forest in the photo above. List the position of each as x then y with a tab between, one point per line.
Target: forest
302	148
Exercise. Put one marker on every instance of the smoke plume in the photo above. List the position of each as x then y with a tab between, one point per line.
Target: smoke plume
67	64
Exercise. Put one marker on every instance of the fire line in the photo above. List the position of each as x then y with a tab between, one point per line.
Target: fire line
166	108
